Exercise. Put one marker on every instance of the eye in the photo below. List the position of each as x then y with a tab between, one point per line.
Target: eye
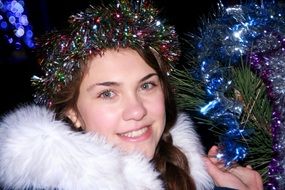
106	94
148	85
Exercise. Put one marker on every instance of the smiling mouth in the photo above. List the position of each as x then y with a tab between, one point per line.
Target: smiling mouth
136	133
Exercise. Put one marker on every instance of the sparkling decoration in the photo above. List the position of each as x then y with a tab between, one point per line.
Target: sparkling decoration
13	18
125	24
254	31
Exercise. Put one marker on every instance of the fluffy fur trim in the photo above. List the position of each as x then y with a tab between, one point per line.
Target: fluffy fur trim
40	152
185	137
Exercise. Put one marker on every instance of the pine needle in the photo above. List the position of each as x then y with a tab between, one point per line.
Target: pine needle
256	116
247	88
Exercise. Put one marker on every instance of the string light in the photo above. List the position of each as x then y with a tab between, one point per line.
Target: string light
15	25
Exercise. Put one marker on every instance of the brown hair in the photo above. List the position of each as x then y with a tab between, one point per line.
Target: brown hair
169	160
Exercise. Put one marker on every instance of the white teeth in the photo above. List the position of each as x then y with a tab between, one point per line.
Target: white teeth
133	134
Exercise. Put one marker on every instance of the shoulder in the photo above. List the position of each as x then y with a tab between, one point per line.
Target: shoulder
185	134
185	137
36	150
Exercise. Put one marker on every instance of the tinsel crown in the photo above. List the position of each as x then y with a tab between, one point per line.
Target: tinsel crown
121	25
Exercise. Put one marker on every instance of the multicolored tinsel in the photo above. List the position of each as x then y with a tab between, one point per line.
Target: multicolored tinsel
254	31
121	25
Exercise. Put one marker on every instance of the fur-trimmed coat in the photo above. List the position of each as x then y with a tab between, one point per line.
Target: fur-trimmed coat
43	153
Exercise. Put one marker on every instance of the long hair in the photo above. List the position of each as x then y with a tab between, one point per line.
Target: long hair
169	160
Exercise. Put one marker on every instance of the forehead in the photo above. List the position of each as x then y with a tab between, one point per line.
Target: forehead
120	58
117	63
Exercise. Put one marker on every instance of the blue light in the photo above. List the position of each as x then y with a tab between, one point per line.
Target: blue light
18	45
30	43
4	24
24	20
16	7
10	40
13	18
17	25
29	34
20	32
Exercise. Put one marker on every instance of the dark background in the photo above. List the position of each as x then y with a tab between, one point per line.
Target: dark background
17	67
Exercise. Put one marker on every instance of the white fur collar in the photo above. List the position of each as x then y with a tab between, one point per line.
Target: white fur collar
185	137
38	151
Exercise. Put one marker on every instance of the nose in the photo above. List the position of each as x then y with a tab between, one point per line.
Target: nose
134	108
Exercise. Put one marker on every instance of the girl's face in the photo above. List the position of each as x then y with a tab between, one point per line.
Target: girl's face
122	99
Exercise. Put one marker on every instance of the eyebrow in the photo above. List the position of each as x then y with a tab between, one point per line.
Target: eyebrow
111	83
148	76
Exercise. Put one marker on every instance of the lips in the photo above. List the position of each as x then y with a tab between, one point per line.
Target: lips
140	134
136	133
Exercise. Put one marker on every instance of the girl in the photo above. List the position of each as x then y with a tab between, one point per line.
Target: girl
111	120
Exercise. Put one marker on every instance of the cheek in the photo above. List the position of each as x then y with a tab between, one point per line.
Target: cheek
99	120
157	106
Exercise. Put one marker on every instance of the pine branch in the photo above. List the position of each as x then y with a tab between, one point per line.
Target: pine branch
249	89
189	92
256	116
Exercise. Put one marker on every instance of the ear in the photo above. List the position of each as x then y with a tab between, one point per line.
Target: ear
73	116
